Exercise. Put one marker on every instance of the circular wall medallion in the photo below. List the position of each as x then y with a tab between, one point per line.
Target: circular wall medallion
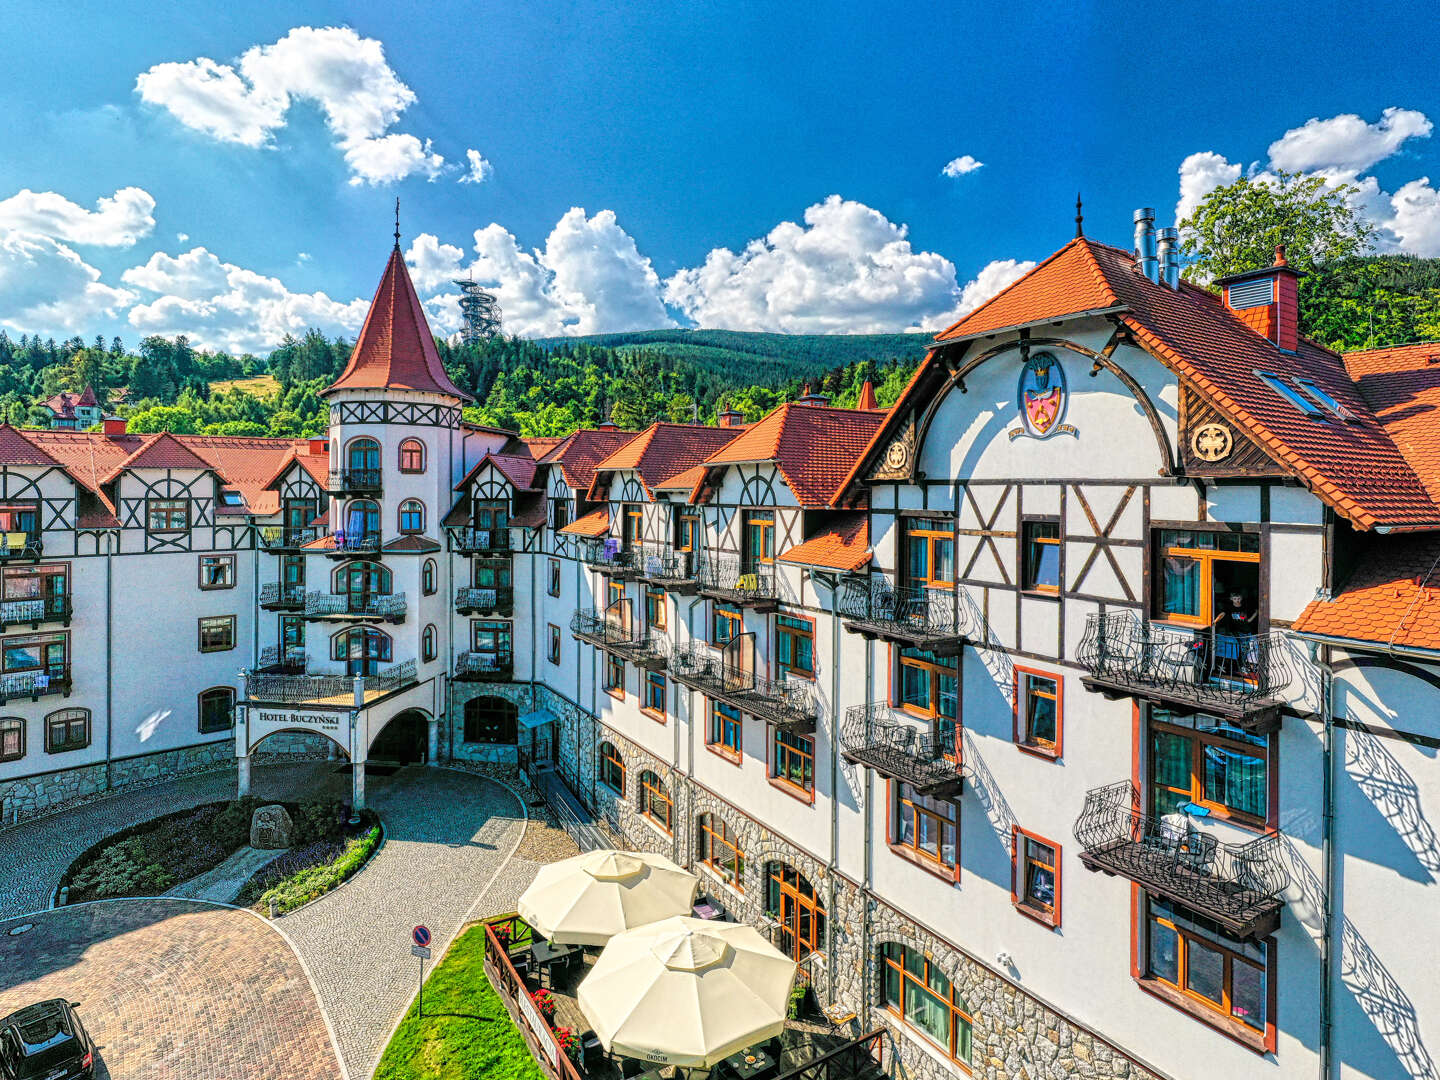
896	455
1212	442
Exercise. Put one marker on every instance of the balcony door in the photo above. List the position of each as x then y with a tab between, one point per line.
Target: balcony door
793	904
363	650
361	582
298	515
364	457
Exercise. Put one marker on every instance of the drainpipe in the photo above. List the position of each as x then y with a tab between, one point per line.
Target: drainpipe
832	582
1321	655
255	603
866	879
109	654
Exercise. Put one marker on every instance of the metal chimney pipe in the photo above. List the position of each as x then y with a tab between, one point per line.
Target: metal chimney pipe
1145	243
1168	241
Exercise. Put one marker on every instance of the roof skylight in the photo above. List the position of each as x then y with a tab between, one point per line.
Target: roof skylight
1290	394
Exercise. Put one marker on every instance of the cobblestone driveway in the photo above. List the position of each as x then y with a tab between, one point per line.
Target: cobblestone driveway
174	989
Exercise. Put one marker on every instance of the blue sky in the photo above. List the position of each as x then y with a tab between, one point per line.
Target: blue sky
683	132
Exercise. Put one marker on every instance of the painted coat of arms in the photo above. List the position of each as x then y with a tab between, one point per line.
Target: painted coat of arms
1043	396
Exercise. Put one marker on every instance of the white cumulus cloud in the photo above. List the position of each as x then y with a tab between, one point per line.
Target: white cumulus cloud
1415	219
961	165
1346	143
118	220
49	289
1201	174
343	74
480	169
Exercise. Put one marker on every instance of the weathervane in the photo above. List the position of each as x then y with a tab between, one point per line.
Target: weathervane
1079	218
397	221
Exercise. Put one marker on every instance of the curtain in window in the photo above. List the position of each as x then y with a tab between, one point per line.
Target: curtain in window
1182	586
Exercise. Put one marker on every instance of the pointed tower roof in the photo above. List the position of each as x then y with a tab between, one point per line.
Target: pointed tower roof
867	397
395	349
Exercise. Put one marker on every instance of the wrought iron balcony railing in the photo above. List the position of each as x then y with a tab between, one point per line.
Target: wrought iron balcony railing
16	546
650	649
600	628
331	688
490	600
283	660
471	541
52	679
609	556
34	611
278	595
390	608
666	565
726	577
356	481
353	543
277	539
895	745
787	703
1244	678
484	666
1238	886
921	616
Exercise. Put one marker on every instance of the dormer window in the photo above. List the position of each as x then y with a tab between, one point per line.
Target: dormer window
231	498
1292	395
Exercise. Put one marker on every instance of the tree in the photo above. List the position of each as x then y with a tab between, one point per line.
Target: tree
1237	226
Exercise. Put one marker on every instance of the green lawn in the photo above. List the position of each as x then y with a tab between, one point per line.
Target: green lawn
477	1040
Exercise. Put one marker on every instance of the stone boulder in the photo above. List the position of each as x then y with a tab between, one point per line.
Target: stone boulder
271	828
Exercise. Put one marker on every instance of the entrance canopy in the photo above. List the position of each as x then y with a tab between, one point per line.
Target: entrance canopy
537	719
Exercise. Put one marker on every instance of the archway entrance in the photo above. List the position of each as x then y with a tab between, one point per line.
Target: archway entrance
403	740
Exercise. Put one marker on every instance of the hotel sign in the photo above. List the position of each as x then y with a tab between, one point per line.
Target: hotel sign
267	721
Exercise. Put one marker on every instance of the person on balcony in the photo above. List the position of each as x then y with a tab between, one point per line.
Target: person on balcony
1235	653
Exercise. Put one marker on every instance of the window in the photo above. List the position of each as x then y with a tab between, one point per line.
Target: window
655	800
655	609
688	535
925	1000
361	521
217	571
217	633
1210	578
412	516
792	902
1037	711
553	585
1324	399
492	639
231	498
793	759
363	457
560	513
12	738
719	849
1290	394
33	591
292	571
759	549
361	580
930	551
292	632
655	693
1210	763
930	687
412	456
427	578
492	515
20	517
67	729
168	515
1040	556
614	675
614	591
363	648
491	574
427	644
924	825
724	623
795	646
553	652
632	527
1035	879
217	709
490	720
297	515
612	768
724	730
1205	967
35	652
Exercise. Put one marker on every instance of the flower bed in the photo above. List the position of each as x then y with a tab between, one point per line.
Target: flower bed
306	873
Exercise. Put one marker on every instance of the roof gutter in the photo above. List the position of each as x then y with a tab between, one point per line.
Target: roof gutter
1411	651
1387	530
1088	313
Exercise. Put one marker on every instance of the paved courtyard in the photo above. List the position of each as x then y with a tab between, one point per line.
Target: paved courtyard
173	988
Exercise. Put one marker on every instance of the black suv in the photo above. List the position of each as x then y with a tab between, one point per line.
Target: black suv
46	1041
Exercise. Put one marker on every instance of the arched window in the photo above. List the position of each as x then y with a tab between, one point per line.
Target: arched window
427	644
655	801
67	729
612	768
924	999
364	455
363	648
361	580
720	850
792	902
412	456
217	709
427	578
412	516
361	521
490	720
12	738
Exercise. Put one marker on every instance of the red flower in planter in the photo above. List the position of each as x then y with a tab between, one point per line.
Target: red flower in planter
545	1002
569	1041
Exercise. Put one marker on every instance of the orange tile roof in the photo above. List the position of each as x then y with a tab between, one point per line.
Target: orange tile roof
1391	598
1402	384
867	397
664	450
516	468
160	451
841	543
529	510
595	523
579	453
16	449
814	447
395	349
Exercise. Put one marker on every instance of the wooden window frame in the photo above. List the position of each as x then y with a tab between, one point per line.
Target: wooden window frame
929	537
68	744
735	619
615	676
1021	712
400	513
363	443
428	646
794	635
1020	876
1207	558
647	685
776	885
200	709
935	672
552	584
651	792
615	591
220	560
410	446
715	719
200	628
1199	740
661	603
804	791
180	507
429	578
559	513
12	723
936	864
613	759
688	536
713	831
957	1006
762	521
1027	572
553	648
632	526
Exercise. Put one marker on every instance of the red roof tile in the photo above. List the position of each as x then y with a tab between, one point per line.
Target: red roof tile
395	349
1402	385
579	453
664	450
160	451
519	470
595	523
1391	598
841	543
16	449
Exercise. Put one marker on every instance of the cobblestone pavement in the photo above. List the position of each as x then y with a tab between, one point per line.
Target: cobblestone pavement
174	989
34	855
447	834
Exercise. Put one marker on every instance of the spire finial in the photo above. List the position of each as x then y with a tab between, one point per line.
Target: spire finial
1079	218
397	221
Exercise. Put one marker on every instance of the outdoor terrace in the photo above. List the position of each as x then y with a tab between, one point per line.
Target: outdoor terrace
727	578
894	744
283	660
610	556
917	616
281	541
346	482
309	689
669	567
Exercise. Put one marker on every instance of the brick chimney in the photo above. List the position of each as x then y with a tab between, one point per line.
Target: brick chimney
1268	300
113	425
318	448
812	396
730	418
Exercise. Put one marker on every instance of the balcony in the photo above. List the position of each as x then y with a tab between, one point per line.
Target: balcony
915	616
493	600
669	567
726	578
350	482
328	689
648	650
35	611
468	541
20	547
1238	886
280	541
345	545
286	660
349	607
787	703
35	684
609	557
282	596
878	737
484	666
1244	679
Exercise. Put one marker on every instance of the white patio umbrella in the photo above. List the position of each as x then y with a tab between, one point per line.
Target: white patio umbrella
687	992
588	899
